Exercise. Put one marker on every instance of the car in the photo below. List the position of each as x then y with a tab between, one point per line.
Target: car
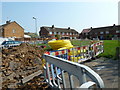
8	44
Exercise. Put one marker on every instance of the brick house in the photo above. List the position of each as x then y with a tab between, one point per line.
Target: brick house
85	33
65	33
103	33
11	29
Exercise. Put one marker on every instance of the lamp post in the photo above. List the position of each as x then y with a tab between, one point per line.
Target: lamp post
35	24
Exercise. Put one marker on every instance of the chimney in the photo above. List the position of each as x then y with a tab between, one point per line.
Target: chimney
7	22
68	27
52	26
113	24
91	28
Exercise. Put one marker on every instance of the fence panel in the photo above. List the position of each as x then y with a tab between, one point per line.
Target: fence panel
87	77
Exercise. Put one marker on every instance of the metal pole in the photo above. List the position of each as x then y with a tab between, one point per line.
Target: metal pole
35	23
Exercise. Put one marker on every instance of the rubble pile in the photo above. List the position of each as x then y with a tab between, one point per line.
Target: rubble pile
19	62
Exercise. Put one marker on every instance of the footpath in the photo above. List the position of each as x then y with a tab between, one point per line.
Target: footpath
108	70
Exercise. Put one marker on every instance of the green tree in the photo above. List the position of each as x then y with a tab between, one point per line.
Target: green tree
57	36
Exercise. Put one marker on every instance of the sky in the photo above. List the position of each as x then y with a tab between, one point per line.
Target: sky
76	15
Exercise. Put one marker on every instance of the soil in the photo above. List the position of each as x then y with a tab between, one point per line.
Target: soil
19	62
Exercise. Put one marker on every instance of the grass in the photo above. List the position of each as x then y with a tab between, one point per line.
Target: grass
80	42
110	49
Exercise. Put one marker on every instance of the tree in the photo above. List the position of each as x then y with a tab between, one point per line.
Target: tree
57	36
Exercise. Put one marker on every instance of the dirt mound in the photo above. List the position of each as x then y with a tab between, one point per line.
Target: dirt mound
20	61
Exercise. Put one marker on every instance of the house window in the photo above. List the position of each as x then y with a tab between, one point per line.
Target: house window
107	32
55	33
50	32
63	33
117	31
70	33
13	30
58	33
67	33
48	28
101	32
86	33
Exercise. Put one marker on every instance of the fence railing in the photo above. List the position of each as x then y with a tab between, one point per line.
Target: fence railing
86	77
79	54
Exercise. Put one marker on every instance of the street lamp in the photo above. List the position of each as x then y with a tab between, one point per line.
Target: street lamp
35	23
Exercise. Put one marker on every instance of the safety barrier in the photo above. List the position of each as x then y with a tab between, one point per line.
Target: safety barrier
79	54
86	77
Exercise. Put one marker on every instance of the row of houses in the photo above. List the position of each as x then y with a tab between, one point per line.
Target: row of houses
65	33
13	29
102	33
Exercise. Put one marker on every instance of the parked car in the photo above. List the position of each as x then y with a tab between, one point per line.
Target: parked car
7	44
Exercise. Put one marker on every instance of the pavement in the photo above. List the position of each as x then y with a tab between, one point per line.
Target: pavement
108	71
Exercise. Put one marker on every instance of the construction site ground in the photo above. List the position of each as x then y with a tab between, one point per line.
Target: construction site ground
26	59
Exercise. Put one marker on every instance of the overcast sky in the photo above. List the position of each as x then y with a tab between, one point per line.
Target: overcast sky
77	15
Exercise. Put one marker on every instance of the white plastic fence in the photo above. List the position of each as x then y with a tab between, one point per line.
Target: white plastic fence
86	77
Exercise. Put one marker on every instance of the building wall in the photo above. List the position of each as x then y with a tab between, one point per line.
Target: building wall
1	32
13	30
43	32
105	33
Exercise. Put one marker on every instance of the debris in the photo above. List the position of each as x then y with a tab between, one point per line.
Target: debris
20	61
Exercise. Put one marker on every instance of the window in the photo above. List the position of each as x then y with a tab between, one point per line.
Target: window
117	31
86	33
107	32
1	30
101	32
55	33
67	33
58	33
48	28
13	30
50	32
70	33
63	33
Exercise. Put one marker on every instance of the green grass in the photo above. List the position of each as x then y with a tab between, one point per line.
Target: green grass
110	49
80	42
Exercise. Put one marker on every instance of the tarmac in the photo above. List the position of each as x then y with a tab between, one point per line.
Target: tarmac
108	69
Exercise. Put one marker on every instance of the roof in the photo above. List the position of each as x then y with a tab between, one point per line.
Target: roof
59	29
4	25
106	27
99	28
86	30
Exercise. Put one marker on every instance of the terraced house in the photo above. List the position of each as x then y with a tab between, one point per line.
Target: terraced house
65	33
102	33
11	29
